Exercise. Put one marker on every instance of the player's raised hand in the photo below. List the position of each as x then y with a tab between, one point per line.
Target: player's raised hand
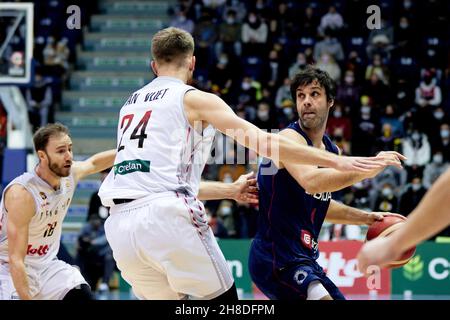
388	158
246	190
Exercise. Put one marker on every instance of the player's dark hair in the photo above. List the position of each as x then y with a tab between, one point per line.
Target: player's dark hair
310	75
43	134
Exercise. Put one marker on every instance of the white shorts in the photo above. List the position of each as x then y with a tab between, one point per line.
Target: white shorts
166	250
51	282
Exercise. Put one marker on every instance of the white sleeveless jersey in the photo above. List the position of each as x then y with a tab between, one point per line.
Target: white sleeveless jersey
44	232
157	149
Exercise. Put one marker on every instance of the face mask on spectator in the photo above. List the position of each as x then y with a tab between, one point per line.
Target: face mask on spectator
252	19
230	20
445	134
416	186
181	18
337	114
404	25
407	4
438	115
387	192
263	115
223	60
226	211
288	111
246	85
437	158
415	136
349	79
325	59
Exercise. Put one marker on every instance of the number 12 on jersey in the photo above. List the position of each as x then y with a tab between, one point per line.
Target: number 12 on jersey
134	135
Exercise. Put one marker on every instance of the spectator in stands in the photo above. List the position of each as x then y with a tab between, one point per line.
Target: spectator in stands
226	214
428	93
309	23
205	36
223	77
39	101
238	7
404	36
298	65
379	68
339	120
95	255
377	91
331	20
412	196
365	129
283	93
417	150
96	209
434	169
445	141
388	141
216	224
264	117
348	92
274	70
327	63
329	45
389	116
55	58
386	199
338	137
381	41
254	36
283	25
182	21
230	32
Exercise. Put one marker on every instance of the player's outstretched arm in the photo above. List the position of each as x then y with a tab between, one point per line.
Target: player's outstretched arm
21	208
202	106
316	180
98	162
242	190
343	214
430	216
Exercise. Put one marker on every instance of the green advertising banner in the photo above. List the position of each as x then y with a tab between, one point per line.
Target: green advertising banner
428	272
236	253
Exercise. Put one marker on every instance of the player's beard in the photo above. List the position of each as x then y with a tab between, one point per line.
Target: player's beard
315	123
59	171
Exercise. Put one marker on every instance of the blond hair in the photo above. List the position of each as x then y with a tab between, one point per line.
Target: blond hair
172	45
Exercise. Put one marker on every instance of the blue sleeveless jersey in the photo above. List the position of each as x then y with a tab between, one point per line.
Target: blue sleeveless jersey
289	219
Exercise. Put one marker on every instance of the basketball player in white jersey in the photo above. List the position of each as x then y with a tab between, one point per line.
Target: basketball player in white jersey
431	215
33	208
157	227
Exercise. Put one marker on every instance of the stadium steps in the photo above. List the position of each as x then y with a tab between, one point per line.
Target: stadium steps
113	62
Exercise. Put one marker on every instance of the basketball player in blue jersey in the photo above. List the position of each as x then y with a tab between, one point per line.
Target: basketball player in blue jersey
294	202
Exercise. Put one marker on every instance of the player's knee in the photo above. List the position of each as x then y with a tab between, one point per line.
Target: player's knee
316	291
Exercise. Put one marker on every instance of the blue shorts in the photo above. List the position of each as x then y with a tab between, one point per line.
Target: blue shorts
289	283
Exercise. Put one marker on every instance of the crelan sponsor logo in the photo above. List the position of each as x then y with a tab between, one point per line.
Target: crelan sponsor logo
129	166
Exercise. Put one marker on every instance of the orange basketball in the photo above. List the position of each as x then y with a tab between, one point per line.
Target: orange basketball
386	227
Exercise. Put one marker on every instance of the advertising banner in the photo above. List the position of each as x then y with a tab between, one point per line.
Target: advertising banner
427	273
338	259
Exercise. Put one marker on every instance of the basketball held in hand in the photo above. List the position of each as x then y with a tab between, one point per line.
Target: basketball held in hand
383	229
